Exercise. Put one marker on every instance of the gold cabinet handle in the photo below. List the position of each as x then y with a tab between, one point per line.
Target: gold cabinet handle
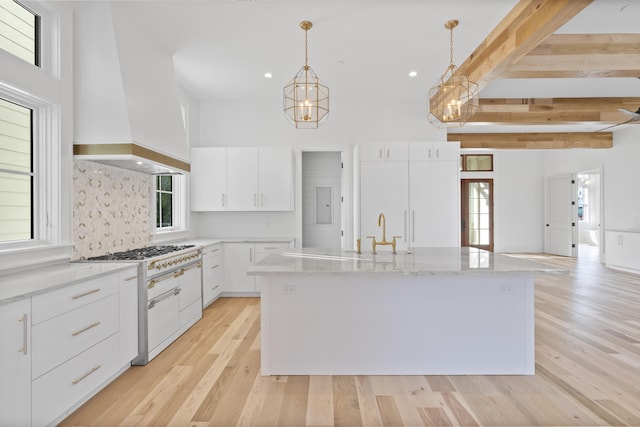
85	293
215	266
130	278
77	380
93	325
25	334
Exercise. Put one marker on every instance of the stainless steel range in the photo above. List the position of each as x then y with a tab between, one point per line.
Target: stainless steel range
169	293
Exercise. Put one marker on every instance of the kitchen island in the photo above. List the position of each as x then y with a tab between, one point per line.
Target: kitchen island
432	311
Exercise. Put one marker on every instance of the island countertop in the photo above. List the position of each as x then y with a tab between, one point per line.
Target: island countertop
419	261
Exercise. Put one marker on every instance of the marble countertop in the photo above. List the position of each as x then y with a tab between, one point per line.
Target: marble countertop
28	283
205	241
420	261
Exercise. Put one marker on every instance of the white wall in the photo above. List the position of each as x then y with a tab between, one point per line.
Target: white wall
621	175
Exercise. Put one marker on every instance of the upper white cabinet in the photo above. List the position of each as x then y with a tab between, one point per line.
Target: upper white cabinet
242	179
384	151
420	197
208	179
434	151
15	369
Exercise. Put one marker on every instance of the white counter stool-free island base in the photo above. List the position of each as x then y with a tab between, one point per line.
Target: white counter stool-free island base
435	311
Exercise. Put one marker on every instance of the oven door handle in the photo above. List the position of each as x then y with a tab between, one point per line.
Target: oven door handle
154	301
152	283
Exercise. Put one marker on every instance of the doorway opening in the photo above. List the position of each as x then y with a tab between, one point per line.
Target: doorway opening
322	199
589	212
477	213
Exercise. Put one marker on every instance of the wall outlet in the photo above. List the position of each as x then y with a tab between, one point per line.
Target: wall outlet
288	289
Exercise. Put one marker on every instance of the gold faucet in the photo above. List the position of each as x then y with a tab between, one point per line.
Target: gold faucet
382	222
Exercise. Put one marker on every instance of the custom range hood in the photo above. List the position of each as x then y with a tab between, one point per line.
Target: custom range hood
128	112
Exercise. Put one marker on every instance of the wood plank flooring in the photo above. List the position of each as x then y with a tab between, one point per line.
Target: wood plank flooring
587	373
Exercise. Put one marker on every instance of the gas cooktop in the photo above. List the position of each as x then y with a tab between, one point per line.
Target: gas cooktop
140	254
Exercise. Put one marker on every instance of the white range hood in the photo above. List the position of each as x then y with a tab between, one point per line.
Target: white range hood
126	99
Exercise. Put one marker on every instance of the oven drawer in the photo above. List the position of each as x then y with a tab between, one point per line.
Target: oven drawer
163	314
57	302
190	281
61	338
161	284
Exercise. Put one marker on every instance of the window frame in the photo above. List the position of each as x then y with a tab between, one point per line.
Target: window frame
48	91
463	162
178	208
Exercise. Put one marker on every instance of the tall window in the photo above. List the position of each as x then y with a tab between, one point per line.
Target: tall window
20	31
16	172
164	201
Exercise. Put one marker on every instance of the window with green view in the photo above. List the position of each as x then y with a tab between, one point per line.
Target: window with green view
16	172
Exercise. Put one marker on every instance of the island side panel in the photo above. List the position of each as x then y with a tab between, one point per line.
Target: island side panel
397	324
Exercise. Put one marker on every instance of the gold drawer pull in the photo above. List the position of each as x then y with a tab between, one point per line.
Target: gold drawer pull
25	334
215	287
130	278
77	380
85	294
215	266
93	325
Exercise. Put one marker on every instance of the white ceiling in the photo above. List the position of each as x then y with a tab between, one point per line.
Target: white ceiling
362	49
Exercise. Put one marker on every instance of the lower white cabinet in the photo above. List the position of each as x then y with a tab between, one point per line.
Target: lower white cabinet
238	257
61	347
623	250
212	273
15	366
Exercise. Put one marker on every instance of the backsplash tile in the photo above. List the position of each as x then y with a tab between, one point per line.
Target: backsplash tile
111	209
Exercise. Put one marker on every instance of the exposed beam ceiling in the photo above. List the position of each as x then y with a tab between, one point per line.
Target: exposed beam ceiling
559	140
543	111
580	55
528	24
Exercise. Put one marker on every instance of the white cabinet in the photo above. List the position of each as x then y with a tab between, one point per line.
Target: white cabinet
212	273
384	151
15	369
384	188
208	179
434	151
434	195
128	315
275	181
242	179
190	296
623	250
238	257
419	197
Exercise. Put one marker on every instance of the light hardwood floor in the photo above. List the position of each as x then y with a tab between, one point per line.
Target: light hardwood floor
587	373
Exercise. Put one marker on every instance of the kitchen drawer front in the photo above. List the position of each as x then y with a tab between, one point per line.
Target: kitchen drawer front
56	392
63	300
211	266
162	284
190	282
61	338
211	289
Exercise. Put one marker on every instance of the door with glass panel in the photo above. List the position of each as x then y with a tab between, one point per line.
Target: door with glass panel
477	213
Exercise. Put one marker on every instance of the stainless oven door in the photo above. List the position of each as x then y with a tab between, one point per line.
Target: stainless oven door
163	313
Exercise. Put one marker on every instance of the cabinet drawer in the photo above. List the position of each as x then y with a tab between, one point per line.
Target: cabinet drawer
63	300
63	337
56	392
191	313
212	267
190	282
264	249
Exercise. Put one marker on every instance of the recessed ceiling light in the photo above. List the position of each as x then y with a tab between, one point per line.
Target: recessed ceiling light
268	75
413	73
139	163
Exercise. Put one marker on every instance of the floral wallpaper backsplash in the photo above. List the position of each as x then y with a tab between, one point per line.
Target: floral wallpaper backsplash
111	209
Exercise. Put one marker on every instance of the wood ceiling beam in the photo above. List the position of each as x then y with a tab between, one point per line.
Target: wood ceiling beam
559	140
540	111
580	55
527	25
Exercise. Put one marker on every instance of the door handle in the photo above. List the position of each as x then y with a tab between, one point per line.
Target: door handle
413	226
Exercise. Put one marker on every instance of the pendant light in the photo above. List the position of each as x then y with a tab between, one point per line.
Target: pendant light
454	98
306	98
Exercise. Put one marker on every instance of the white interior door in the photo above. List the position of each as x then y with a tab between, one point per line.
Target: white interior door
560	221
